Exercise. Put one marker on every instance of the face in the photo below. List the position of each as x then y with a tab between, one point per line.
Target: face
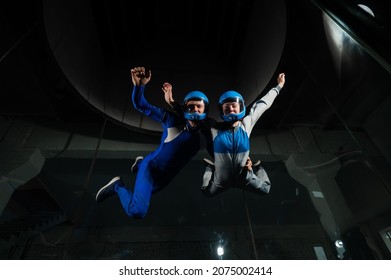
194	106
231	108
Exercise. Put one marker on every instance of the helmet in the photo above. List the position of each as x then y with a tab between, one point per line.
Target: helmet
197	96
232	96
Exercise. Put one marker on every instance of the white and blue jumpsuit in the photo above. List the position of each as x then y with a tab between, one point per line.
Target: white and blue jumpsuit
179	143
231	150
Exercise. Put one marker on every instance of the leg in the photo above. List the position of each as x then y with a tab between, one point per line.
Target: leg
258	182
115	186
125	196
109	189
136	205
209	188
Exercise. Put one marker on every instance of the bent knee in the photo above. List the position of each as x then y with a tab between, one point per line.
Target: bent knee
266	188
208	193
137	213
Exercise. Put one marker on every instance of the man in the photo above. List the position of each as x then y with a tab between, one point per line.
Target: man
181	140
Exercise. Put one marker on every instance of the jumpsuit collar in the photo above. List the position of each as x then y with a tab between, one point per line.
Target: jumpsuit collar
191	128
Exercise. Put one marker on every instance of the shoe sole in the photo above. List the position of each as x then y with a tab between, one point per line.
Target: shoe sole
209	161
105	186
135	163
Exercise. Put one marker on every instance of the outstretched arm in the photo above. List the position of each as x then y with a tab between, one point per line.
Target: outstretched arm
140	77
261	105
272	94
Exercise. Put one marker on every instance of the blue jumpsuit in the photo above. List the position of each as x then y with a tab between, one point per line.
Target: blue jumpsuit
179	143
231	150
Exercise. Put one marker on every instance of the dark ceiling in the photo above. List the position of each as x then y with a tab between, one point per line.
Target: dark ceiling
211	45
214	28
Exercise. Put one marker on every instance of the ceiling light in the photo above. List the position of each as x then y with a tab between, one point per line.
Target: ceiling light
339	244
220	251
366	9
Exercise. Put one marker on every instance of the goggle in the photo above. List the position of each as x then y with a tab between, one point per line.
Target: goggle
229	105
191	107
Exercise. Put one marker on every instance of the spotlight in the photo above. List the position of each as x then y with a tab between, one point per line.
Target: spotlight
339	244
220	250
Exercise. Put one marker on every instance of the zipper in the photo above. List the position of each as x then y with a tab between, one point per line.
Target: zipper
233	157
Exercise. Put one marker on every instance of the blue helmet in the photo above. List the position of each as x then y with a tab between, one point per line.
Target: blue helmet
197	96
232	96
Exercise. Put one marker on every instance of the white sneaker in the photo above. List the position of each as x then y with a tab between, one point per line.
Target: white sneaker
136	161
107	190
208	161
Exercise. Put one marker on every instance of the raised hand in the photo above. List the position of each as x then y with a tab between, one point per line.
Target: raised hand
281	79
167	89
